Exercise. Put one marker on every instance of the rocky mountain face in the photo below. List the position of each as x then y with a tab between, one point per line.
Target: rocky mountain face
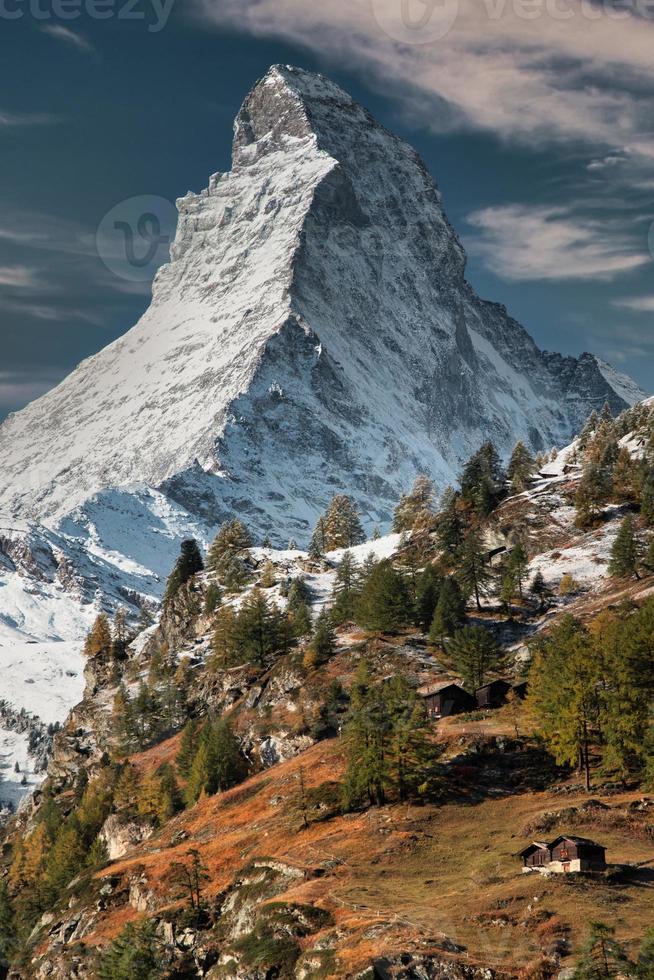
313	333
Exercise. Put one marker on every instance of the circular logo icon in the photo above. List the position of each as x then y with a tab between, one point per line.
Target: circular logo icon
416	21
134	238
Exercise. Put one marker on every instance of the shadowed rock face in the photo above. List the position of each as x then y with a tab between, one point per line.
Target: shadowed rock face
313	333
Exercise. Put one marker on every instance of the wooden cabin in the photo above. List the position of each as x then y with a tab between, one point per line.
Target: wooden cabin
564	855
443	700
537	855
577	854
492	695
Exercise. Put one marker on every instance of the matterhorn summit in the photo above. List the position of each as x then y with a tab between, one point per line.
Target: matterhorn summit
313	333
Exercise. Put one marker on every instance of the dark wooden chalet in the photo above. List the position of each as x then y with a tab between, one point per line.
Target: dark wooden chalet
443	700
564	855
492	695
578	854
537	855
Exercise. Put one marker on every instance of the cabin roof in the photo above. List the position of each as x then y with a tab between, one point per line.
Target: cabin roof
491	684
576	840
428	689
536	845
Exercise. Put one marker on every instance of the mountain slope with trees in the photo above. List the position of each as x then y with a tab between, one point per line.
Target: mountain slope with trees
252	783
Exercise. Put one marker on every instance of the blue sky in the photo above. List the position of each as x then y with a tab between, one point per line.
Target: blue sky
538	130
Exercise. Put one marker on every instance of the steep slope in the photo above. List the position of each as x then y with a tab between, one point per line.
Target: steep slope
312	333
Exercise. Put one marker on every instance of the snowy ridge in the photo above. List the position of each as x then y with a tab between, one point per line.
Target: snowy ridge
312	334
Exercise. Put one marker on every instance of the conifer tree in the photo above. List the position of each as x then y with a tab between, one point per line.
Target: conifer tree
257	628
342	527
384	600
66	856
323	642
415	507
187	565
268	576
521	467
225	641
427	593
218	762
482	480
298	609
473	573
624	552
385	737
602	957
588	430
122	724
647	499
564	694
120	634
98	641
148	799
450	526
623	476
345	591
450	611
170	797
475	652
228	555
592	494
518	564
190	875
212	598
126	792
318	544
188	746
135	954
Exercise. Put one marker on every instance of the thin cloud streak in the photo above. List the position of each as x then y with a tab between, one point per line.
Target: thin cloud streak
67	36
639	304
522	243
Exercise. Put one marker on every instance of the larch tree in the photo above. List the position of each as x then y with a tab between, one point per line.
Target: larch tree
341	524
415	507
521	467
99	640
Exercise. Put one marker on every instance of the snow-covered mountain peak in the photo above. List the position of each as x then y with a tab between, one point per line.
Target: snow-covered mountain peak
313	333
288	104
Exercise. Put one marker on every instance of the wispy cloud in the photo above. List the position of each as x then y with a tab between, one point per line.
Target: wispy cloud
518	242
13	120
639	304
17	276
65	34
586	75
